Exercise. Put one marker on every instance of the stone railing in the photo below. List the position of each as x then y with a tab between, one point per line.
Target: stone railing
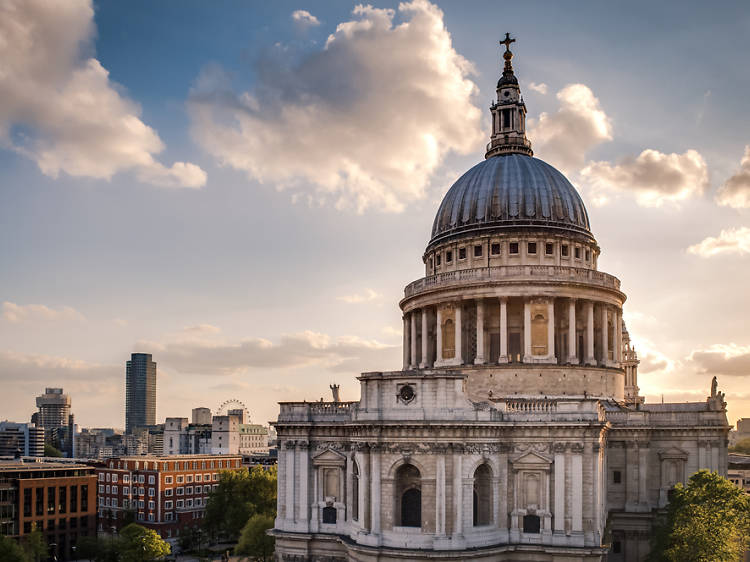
530	273
316	411
532	406
540	409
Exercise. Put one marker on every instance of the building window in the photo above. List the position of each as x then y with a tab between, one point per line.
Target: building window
151	505
126	490
168	492
549	248
180	491
126	478
355	492
114	502
189	490
151	492
437	259
114	489
588	255
482	495
150	516
207	478
617	477
140	504
101	488
101	477
27	502
564	250
188	503
84	499
448	256
107	488
125	503
478	251
141	491
180	479
180	503
50	499
577	253
167	479
329	515
73	499
108	477
531	248
151	479
409	492
531	524
462	253
198	477
513	248
189	478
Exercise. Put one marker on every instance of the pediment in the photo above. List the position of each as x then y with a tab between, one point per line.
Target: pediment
330	457
531	459
673	453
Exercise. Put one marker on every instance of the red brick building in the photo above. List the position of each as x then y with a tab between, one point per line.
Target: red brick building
58	498
166	493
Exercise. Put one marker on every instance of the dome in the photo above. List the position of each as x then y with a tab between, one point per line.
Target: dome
510	191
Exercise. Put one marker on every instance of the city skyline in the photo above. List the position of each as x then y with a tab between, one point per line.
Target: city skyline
253	265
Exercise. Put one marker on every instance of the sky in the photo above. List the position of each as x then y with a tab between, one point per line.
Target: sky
243	189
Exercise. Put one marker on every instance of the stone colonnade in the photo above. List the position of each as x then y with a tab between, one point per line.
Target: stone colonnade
457	333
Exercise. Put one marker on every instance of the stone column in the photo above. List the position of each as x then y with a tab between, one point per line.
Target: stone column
281	492
413	361
560	488
364	489
425	340
576	509
458	501
290	481
590	359
605	335
440	495
459	355
526	331
406	341
551	329
375	495
643	474
572	339
439	335
479	359
618	336
304	496
503	330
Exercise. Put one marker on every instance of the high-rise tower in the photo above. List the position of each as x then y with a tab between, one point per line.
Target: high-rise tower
140	392
54	409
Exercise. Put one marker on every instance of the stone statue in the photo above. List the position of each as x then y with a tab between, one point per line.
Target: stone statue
335	391
714	386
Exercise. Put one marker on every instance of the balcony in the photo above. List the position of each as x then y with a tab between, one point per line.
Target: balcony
316	411
514	273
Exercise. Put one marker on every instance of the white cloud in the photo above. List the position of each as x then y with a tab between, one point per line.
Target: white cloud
18	313
59	106
735	192
305	18
541	87
356	298
564	137
723	359
653	177
16	368
218	357
730	241
364	122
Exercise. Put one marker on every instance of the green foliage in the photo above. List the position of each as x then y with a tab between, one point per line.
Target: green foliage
51	451
706	521
239	496
96	549
136	544
254	541
11	551
742	447
34	545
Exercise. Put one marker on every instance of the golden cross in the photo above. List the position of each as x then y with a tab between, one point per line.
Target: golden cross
507	41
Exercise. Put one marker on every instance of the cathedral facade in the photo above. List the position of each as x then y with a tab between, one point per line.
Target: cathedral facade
515	430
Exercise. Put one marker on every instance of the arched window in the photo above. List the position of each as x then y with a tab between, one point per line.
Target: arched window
408	496
482	495
539	334
449	339
355	491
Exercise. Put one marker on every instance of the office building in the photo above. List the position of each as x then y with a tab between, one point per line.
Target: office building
140	392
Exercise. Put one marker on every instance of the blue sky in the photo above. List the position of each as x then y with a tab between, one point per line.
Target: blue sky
270	262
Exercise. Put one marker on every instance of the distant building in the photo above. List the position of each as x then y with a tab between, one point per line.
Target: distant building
202	416
739	471
55	497
164	493
24	437
54	409
102	443
140	392
225	435
183	438
253	439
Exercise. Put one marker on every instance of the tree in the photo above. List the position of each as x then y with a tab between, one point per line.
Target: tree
51	451
34	545
253	539
742	446
11	551
136	544
239	496
707	520
99	550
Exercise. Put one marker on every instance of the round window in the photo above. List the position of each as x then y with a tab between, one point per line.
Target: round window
406	393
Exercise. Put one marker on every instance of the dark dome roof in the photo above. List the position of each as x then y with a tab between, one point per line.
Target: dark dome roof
510	191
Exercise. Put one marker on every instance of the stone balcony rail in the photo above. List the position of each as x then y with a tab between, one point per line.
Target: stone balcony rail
527	273
545	409
667	418
316	411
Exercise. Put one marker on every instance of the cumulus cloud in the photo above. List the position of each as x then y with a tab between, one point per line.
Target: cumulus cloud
735	192
541	87
564	137
17	368
61	109
304	18
18	313
363	122
193	355
723	359
653	177
730	241
356	298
